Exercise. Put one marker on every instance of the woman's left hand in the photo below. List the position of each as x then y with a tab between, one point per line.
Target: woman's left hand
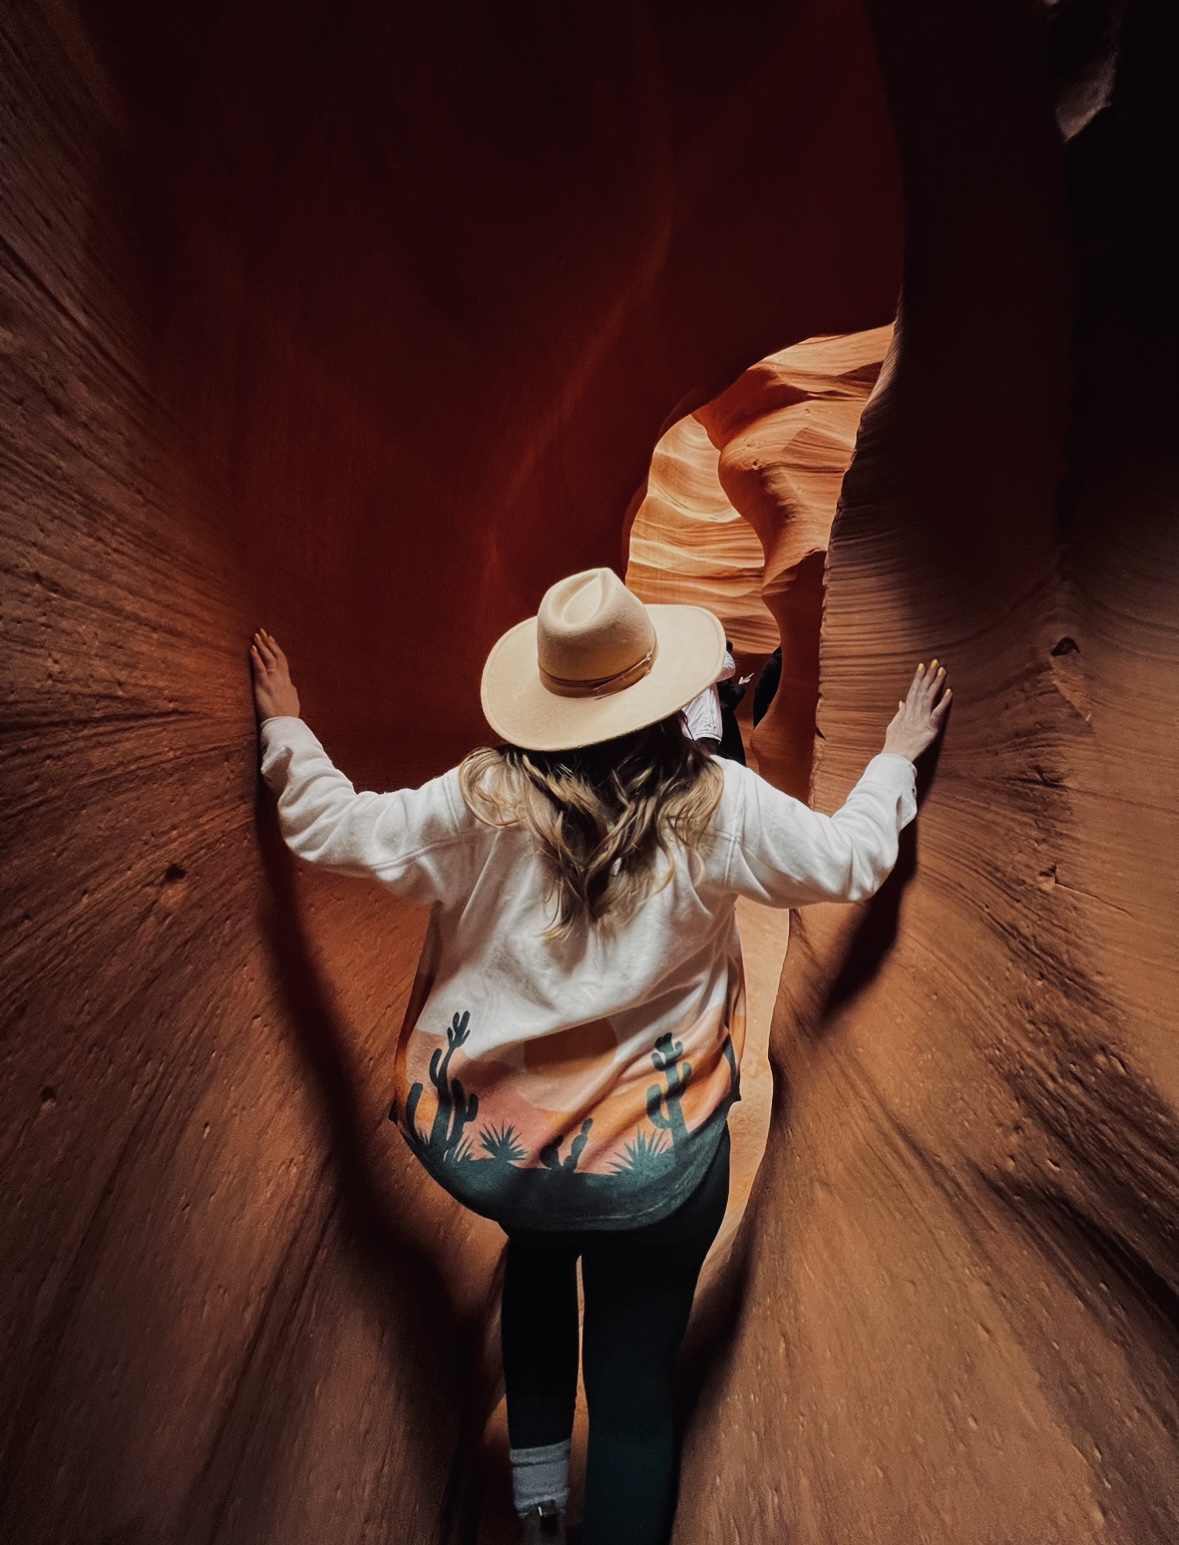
274	691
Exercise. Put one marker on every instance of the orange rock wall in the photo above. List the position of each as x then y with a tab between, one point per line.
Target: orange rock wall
363	322
785	431
689	546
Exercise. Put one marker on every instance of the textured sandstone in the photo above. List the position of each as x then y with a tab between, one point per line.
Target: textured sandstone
363	323
785	431
689	546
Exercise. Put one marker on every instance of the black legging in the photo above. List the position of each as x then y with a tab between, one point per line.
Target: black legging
638	1286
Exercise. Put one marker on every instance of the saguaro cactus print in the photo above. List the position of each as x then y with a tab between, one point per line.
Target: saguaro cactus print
664	1110
456	1109
523	1161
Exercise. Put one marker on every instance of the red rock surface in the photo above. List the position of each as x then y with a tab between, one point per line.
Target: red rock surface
363	325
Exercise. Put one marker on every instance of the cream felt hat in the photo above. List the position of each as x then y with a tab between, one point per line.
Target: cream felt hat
595	663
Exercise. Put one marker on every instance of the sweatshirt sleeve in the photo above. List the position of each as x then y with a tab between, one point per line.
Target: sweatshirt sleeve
417	842
785	854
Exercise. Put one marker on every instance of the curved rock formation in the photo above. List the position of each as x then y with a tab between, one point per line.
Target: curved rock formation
785	431
688	545
362	322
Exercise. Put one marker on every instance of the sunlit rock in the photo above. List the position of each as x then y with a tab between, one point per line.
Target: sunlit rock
688	545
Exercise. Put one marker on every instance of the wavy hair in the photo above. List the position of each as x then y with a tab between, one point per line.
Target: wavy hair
601	815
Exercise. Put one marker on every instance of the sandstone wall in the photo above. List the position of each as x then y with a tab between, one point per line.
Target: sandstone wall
689	545
784	432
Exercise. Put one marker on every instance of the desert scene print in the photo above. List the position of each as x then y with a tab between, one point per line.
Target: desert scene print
505	1126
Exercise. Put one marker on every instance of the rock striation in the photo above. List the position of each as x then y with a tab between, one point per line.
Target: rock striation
688	544
784	433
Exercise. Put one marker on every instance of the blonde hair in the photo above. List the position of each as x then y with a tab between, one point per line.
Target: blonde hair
601	815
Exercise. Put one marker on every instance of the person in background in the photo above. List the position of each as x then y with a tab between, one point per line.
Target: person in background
767	685
731	693
702	716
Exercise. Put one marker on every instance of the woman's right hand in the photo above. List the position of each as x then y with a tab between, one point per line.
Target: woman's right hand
917	721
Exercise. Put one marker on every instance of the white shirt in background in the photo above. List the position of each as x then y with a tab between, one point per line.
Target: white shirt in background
702	716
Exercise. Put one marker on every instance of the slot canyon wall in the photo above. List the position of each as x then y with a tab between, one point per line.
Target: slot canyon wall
784	433
362	324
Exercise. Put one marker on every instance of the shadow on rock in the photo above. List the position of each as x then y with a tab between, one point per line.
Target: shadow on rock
433	1351
873	939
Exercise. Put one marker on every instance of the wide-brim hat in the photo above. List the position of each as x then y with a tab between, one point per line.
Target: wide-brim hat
595	663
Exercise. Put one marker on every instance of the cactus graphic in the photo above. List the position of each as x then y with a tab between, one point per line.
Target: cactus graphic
646	1155
455	1108
550	1154
501	1143
663	1110
466	1108
577	1146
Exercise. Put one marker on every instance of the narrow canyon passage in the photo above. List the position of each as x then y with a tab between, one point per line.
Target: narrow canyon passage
361	323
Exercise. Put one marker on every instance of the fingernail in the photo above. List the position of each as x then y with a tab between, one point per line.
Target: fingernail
942	671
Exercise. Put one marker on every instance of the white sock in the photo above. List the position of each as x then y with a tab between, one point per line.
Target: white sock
540	1475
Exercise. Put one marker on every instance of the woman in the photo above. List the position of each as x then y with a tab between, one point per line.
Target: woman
573	1041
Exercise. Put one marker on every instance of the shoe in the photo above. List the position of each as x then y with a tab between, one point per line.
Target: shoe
545	1525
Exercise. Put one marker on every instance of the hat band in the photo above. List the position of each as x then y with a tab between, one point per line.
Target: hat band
600	686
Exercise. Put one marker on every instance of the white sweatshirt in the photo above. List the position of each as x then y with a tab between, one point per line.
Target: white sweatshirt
552	1085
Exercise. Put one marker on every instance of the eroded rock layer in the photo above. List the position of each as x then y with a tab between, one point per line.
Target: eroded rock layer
784	433
689	546
362	322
